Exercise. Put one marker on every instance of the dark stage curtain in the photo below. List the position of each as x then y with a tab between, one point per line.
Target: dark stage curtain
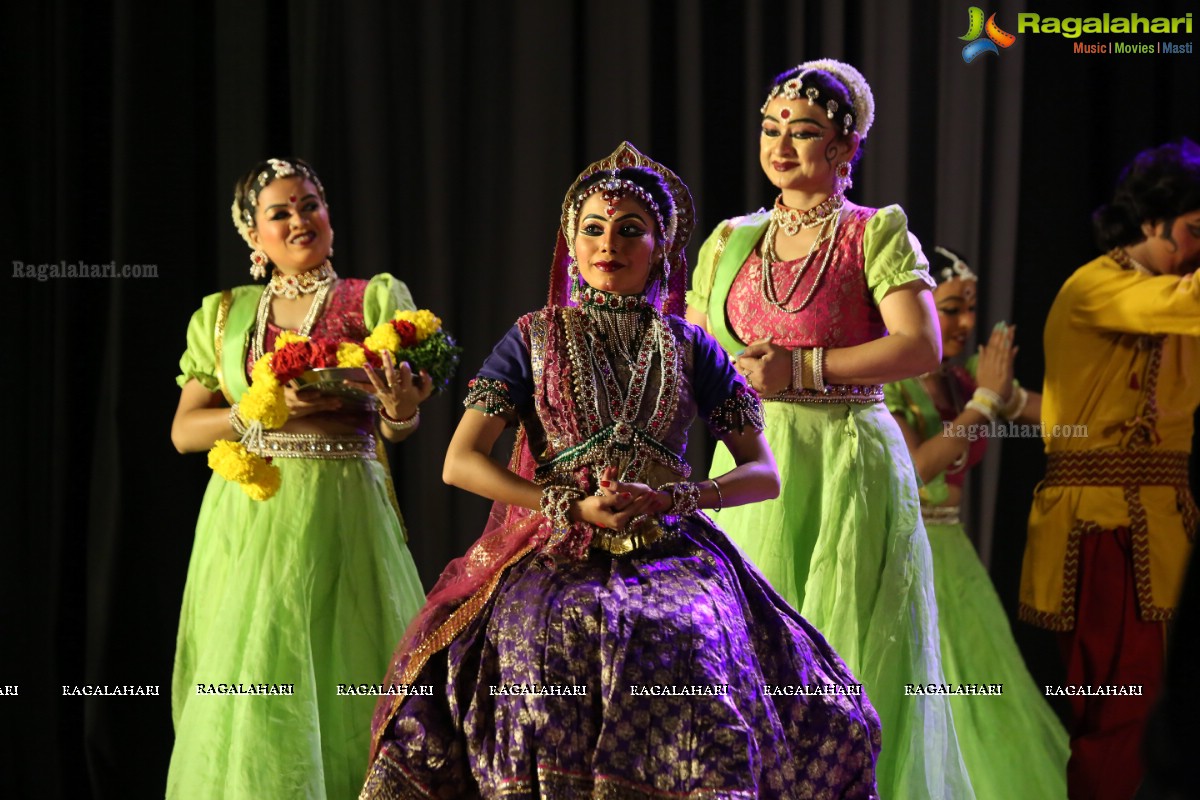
446	134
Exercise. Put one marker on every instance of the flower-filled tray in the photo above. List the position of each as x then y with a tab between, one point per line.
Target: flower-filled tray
329	380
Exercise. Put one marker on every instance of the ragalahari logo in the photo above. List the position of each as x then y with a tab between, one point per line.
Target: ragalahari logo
996	38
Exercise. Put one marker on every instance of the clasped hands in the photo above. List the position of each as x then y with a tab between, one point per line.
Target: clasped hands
616	504
767	367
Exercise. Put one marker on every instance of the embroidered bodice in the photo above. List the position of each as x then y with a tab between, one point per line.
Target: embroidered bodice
582	406
842	313
340	320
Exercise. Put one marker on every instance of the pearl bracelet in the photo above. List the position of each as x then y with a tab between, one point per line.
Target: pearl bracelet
556	502
685	498
400	425
798	359
818	368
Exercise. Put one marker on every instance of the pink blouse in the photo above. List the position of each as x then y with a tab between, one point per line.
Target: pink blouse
842	312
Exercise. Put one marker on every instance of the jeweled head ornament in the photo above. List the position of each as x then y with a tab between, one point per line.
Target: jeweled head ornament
861	114
957	268
613	189
245	194
675	222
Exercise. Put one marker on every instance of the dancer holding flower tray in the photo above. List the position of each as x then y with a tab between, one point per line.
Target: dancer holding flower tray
299	571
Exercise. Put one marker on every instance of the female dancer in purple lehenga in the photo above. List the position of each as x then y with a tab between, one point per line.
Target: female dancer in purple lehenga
603	638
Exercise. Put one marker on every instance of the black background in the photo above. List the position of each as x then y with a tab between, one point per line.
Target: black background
445	134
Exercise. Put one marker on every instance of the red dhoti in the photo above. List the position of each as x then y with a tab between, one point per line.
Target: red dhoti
1109	648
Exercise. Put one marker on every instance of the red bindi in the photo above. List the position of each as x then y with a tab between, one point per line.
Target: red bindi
610	211
785	113
292	198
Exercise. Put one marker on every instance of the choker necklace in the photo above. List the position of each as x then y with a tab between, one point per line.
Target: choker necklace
590	297
292	286
617	320
1127	261
827	233
792	221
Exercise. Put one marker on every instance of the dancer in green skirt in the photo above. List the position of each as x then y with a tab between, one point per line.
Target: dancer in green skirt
300	581
945	416
802	297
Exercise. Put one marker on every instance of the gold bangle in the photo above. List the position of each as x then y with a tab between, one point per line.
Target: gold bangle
720	497
807	369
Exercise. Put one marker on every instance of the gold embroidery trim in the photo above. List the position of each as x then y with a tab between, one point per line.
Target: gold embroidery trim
1064	620
445	633
219	340
718	251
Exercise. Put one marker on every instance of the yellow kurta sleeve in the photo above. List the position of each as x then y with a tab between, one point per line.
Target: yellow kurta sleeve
893	255
1109	297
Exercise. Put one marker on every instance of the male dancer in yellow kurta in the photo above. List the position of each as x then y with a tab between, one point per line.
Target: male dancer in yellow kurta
1113	521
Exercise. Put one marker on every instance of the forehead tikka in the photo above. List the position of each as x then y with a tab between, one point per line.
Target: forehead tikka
794	89
613	189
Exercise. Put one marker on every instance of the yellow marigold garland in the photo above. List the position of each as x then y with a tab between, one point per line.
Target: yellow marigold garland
263	406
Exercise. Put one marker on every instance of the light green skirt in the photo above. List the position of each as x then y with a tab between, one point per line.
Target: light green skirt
311	588
845	545
1014	744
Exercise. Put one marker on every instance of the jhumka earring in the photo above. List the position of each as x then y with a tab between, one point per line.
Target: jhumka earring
573	275
842	174
258	264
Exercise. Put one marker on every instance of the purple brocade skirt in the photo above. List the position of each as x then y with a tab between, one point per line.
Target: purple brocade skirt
674	671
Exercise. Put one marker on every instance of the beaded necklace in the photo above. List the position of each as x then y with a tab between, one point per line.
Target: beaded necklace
791	220
264	311
618	321
827	233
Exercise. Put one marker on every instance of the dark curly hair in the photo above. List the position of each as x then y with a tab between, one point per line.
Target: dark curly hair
1157	186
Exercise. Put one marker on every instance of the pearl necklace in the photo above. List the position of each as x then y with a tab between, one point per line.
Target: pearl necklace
264	311
827	233
791	220
292	286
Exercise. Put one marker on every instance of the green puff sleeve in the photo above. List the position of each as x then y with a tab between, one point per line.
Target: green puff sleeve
702	277
384	295
893	255
199	361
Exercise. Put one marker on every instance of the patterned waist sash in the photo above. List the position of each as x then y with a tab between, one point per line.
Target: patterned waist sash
1117	468
839	393
315	445
1129	470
